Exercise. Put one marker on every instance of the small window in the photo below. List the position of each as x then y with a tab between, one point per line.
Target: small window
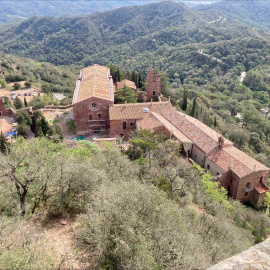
195	156
124	125
154	93
121	135
261	180
90	117
208	167
99	116
131	124
248	185
246	193
217	173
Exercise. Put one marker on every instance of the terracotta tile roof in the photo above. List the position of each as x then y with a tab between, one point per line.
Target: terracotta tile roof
170	127
261	189
135	110
150	123
128	83
200	134
94	81
232	158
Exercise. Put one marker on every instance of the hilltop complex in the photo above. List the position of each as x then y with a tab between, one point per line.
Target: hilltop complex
95	112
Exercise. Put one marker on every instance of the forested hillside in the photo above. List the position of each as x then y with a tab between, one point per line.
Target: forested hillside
66	206
132	30
252	12
41	75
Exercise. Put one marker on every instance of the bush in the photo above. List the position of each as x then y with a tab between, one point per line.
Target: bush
16	86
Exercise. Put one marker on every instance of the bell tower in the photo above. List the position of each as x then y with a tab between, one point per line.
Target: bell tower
153	84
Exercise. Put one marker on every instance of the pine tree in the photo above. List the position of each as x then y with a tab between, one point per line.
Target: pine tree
184	102
25	102
192	113
3	143
18	103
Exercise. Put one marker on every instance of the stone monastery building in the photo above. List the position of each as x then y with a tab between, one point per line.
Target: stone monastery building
95	112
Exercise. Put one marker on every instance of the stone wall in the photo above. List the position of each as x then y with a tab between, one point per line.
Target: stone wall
255	258
119	129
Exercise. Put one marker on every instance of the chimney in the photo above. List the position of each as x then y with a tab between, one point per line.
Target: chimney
255	168
220	142
169	98
151	101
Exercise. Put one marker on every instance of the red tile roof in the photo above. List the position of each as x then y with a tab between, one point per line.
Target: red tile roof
135	110
203	136
261	189
127	83
150	123
94	81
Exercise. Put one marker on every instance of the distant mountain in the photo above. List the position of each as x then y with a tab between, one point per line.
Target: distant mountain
11	10
20	10
129	31
252	12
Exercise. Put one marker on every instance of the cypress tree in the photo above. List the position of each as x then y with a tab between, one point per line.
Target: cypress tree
25	102
192	113
184	103
3	142
118	75
215	122
133	76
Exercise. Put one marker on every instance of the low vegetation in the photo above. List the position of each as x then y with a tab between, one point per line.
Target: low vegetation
144	209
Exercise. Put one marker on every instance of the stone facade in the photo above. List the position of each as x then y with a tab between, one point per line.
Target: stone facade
153	84
153	87
122	128
91	119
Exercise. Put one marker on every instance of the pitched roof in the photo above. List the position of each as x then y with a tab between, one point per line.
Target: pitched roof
170	127
203	136
128	83
149	123
136	110
94	81
229	157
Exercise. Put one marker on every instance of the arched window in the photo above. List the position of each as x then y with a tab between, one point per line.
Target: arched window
99	116
124	125
154	93
131	124
90	117
248	185
208	167
261	180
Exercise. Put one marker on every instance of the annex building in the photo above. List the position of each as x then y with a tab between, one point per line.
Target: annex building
244	177
95	112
